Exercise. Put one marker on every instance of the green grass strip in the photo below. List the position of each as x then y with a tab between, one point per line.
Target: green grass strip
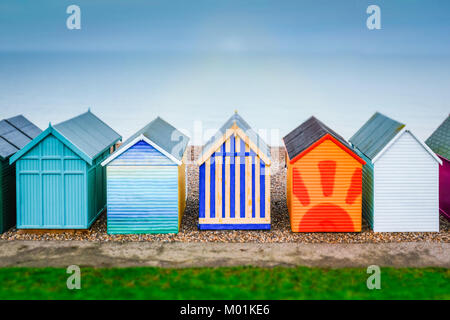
224	283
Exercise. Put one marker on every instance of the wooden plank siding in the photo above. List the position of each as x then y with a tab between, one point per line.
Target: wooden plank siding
234	188
146	192
321	200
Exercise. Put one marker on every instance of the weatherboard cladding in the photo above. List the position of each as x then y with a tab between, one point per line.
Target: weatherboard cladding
400	191
306	134
142	199
324	180
234	184
15	133
367	190
375	134
141	154
146	188
56	187
406	188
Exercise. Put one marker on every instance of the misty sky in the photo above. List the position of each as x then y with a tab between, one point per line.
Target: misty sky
276	62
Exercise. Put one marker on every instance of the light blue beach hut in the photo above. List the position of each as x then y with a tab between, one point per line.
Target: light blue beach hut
60	181
146	181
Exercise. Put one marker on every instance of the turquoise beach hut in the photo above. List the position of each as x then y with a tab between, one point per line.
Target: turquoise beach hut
60	181
15	133
146	181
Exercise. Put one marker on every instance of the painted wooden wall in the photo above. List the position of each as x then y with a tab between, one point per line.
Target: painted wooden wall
56	189
234	188
7	195
444	188
51	187
324	191
182	189
143	190
367	190
406	194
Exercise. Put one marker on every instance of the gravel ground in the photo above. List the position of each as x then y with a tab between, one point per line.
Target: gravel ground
280	223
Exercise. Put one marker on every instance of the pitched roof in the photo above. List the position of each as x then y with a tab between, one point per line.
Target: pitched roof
237	120
15	133
375	134
86	135
439	141
162	135
306	134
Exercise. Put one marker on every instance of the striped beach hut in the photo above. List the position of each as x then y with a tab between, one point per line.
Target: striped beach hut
60	181
439	142
400	180
234	179
146	181
15	133
324	178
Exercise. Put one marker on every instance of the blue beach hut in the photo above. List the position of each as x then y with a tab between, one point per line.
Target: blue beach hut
234	178
60	181
146	181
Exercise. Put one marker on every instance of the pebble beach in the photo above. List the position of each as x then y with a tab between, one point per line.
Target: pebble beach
280	230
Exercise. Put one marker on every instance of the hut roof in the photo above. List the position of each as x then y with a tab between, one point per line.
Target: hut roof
236	121
308	133
86	134
375	134
161	135
439	141
15	133
379	133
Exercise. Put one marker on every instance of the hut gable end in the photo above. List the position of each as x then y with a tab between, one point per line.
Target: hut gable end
324	180
142	154
234	179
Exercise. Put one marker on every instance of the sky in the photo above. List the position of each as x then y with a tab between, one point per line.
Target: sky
195	62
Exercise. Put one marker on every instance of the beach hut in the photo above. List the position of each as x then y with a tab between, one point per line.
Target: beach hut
234	178
146	181
60	182
439	142
15	133
400	180
323	180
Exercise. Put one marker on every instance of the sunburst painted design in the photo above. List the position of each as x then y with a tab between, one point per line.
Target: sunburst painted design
328	212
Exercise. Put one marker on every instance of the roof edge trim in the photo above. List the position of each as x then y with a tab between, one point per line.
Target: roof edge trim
228	133
397	136
328	136
50	130
141	137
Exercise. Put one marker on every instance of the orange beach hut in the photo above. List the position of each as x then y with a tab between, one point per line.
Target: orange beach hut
324	180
